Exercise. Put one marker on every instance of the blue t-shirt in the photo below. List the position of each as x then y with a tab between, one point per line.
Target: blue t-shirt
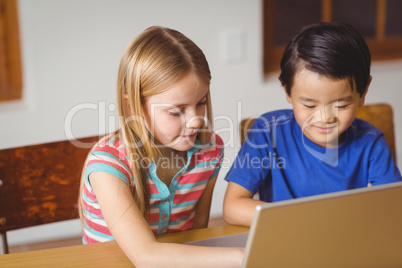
279	162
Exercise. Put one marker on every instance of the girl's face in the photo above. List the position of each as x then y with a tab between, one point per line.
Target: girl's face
323	108
175	116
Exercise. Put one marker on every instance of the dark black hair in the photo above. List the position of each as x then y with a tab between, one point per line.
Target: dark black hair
336	51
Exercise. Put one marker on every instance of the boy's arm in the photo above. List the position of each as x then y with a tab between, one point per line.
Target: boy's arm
239	205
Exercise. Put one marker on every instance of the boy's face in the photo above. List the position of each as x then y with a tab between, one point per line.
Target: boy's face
323	108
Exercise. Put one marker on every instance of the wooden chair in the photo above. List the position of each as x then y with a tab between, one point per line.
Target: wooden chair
39	184
379	115
382	117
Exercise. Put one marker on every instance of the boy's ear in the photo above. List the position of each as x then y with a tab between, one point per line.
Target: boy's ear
288	98
363	96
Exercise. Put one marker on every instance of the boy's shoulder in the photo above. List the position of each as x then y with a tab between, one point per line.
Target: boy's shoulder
274	118
361	128
279	113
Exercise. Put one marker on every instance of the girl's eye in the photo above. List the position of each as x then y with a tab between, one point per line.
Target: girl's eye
175	113
202	103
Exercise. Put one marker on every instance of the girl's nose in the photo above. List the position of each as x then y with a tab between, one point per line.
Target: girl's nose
195	122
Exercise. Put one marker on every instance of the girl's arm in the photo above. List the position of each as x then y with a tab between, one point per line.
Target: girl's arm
136	239
204	206
239	205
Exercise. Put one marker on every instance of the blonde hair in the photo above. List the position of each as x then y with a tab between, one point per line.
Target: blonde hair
154	62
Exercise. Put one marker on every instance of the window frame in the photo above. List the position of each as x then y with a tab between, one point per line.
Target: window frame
381	47
10	58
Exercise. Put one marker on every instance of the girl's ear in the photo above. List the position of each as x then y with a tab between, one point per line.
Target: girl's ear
363	96
126	104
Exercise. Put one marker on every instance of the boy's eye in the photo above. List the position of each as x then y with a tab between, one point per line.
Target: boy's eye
309	106
341	106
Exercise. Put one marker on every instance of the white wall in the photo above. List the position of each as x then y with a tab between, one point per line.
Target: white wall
71	50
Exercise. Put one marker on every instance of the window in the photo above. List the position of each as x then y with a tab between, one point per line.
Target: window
379	21
10	61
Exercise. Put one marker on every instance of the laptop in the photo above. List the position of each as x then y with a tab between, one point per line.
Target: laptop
354	228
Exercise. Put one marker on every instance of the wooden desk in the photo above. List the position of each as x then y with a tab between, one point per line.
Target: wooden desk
106	254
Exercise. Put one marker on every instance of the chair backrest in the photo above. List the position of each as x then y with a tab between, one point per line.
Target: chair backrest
40	184
379	115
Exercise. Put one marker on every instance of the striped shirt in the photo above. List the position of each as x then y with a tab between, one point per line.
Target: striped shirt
172	208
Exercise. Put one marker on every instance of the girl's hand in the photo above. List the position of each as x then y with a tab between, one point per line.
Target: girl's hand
136	239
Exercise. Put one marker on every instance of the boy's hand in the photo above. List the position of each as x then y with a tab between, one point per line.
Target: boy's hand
239	205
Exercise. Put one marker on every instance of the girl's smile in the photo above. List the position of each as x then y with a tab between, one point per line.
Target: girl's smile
189	136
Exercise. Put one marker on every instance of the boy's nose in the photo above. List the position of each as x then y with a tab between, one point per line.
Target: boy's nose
329	114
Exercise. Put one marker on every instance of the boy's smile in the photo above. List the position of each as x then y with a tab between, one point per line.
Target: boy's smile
323	108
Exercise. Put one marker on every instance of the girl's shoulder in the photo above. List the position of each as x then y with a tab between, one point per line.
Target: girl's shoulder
111	145
213	148
217	140
112	140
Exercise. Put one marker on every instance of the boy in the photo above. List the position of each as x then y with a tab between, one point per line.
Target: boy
319	146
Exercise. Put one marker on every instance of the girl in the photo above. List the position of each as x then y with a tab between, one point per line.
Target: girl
157	173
